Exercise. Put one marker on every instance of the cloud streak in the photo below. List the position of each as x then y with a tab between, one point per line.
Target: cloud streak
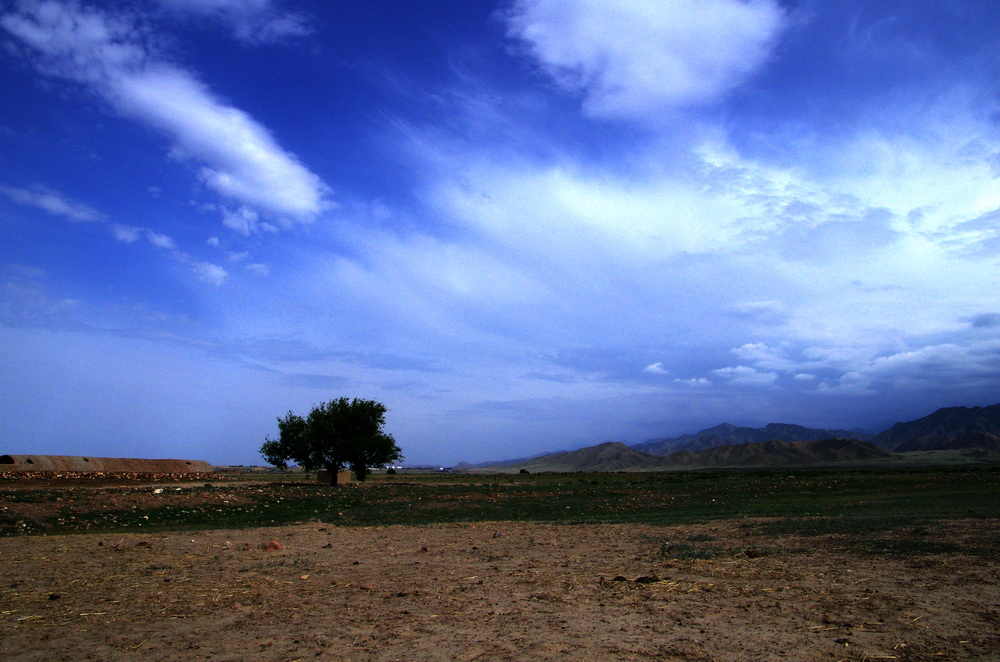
52	202
236	157
58	205
252	22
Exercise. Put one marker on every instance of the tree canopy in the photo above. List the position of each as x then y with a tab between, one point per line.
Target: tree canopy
336	434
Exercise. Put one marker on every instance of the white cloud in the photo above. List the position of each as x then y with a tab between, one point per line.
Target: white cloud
764	312
597	213
935	365
635	58
78	42
129	234
850	383
251	21
696	382
245	221
746	376
258	269
868	369
238	158
53	203
763	356
932	182
206	272
209	273
242	160
656	369
160	240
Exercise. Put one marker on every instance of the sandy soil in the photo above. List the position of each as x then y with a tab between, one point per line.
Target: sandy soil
505	591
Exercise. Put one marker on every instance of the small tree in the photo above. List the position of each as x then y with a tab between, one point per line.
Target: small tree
336	434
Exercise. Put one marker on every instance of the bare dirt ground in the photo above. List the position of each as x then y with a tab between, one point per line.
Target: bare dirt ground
503	591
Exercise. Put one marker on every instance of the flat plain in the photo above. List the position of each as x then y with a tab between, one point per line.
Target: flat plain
838	565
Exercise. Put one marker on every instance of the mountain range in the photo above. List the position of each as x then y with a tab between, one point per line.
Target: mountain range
726	433
948	435
946	429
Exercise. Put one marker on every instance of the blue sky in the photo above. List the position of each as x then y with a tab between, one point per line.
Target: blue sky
523	226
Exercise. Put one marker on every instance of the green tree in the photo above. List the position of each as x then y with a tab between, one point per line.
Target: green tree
336	434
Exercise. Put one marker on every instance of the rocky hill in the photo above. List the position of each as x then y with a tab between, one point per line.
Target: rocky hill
727	434
949	428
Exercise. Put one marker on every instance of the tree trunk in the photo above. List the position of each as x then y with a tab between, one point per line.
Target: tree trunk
333	471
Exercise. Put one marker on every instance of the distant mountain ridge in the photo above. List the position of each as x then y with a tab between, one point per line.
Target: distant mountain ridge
965	432
947	428
728	434
778	454
616	456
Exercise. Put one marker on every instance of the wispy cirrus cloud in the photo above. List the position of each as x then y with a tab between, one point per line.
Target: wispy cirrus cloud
52	202
112	56
59	205
207	272
251	21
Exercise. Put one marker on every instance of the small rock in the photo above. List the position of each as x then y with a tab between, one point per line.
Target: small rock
647	579
54	596
273	546
367	587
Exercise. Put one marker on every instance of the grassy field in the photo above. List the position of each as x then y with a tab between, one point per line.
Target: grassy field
803	502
